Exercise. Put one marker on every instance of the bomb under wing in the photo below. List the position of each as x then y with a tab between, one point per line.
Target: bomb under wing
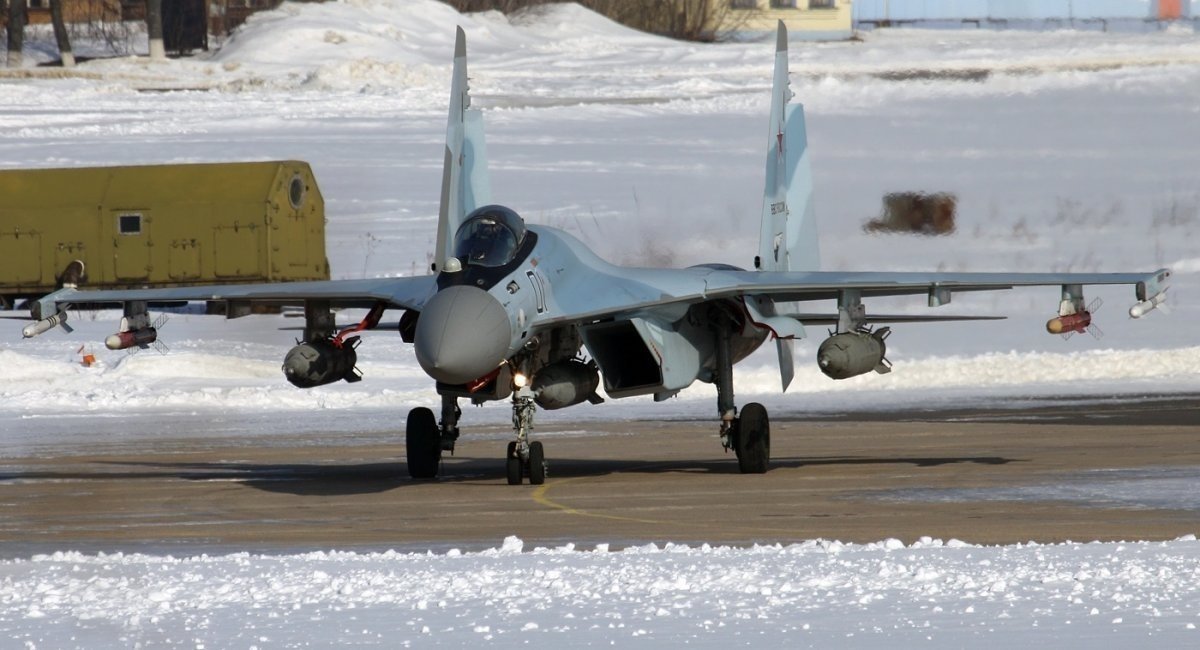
566	383
1070	323
141	338
321	362
850	354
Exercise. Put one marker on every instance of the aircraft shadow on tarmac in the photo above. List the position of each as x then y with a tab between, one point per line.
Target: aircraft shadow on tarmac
331	479
569	468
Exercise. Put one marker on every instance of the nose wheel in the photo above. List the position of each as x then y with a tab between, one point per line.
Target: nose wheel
532	464
524	459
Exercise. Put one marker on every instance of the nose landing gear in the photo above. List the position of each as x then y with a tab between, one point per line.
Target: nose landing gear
523	458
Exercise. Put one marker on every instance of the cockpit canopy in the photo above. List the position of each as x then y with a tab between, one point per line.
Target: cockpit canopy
490	236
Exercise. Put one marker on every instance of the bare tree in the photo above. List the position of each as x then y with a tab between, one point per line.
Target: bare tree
60	34
100	21
154	26
693	20
16	32
504	6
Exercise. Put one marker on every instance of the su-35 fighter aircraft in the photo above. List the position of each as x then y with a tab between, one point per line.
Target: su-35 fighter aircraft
527	312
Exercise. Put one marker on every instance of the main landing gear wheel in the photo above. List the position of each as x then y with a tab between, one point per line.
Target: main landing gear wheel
753	441
424	444
513	464
537	463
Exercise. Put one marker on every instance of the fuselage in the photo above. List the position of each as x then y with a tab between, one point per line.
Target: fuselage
483	318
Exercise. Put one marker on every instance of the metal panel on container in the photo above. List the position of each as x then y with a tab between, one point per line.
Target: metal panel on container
131	244
183	260
21	256
237	250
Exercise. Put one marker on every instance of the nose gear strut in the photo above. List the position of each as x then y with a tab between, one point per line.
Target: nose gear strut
524	458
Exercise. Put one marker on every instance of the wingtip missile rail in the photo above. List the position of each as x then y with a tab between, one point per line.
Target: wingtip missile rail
1151	293
1146	306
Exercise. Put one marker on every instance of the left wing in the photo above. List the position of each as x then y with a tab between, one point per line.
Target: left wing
642	291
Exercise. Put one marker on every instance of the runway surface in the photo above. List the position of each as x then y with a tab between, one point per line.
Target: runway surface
1088	469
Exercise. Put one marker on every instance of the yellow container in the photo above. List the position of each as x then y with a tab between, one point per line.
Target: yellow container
160	226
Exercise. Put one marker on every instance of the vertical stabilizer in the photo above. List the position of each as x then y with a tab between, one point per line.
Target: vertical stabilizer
788	235
788	238
465	184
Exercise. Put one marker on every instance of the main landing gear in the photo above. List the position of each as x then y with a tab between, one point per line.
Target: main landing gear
426	439
749	436
524	459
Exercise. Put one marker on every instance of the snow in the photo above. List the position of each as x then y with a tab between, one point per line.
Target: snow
820	593
1067	151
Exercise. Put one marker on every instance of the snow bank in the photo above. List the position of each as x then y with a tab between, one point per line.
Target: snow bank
817	593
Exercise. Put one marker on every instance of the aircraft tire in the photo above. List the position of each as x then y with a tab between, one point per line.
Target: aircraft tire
537	463
753	442
423	444
513	465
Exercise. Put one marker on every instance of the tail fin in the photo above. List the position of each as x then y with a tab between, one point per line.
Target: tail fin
465	184
788	238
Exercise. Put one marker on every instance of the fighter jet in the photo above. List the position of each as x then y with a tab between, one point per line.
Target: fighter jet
527	313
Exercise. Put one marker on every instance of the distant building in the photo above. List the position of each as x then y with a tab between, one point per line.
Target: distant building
185	22
216	17
813	20
74	11
899	12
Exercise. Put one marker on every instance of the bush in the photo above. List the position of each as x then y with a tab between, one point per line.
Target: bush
691	20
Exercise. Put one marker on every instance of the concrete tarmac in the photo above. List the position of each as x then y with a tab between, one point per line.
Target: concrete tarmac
850	477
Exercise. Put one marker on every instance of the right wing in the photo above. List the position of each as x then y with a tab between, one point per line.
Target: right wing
405	293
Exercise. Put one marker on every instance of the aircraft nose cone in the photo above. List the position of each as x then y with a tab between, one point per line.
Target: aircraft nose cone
463	334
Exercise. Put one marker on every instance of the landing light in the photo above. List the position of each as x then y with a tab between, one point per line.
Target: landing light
520	380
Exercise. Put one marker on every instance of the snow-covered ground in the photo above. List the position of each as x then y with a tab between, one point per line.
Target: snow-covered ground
1067	151
932	594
